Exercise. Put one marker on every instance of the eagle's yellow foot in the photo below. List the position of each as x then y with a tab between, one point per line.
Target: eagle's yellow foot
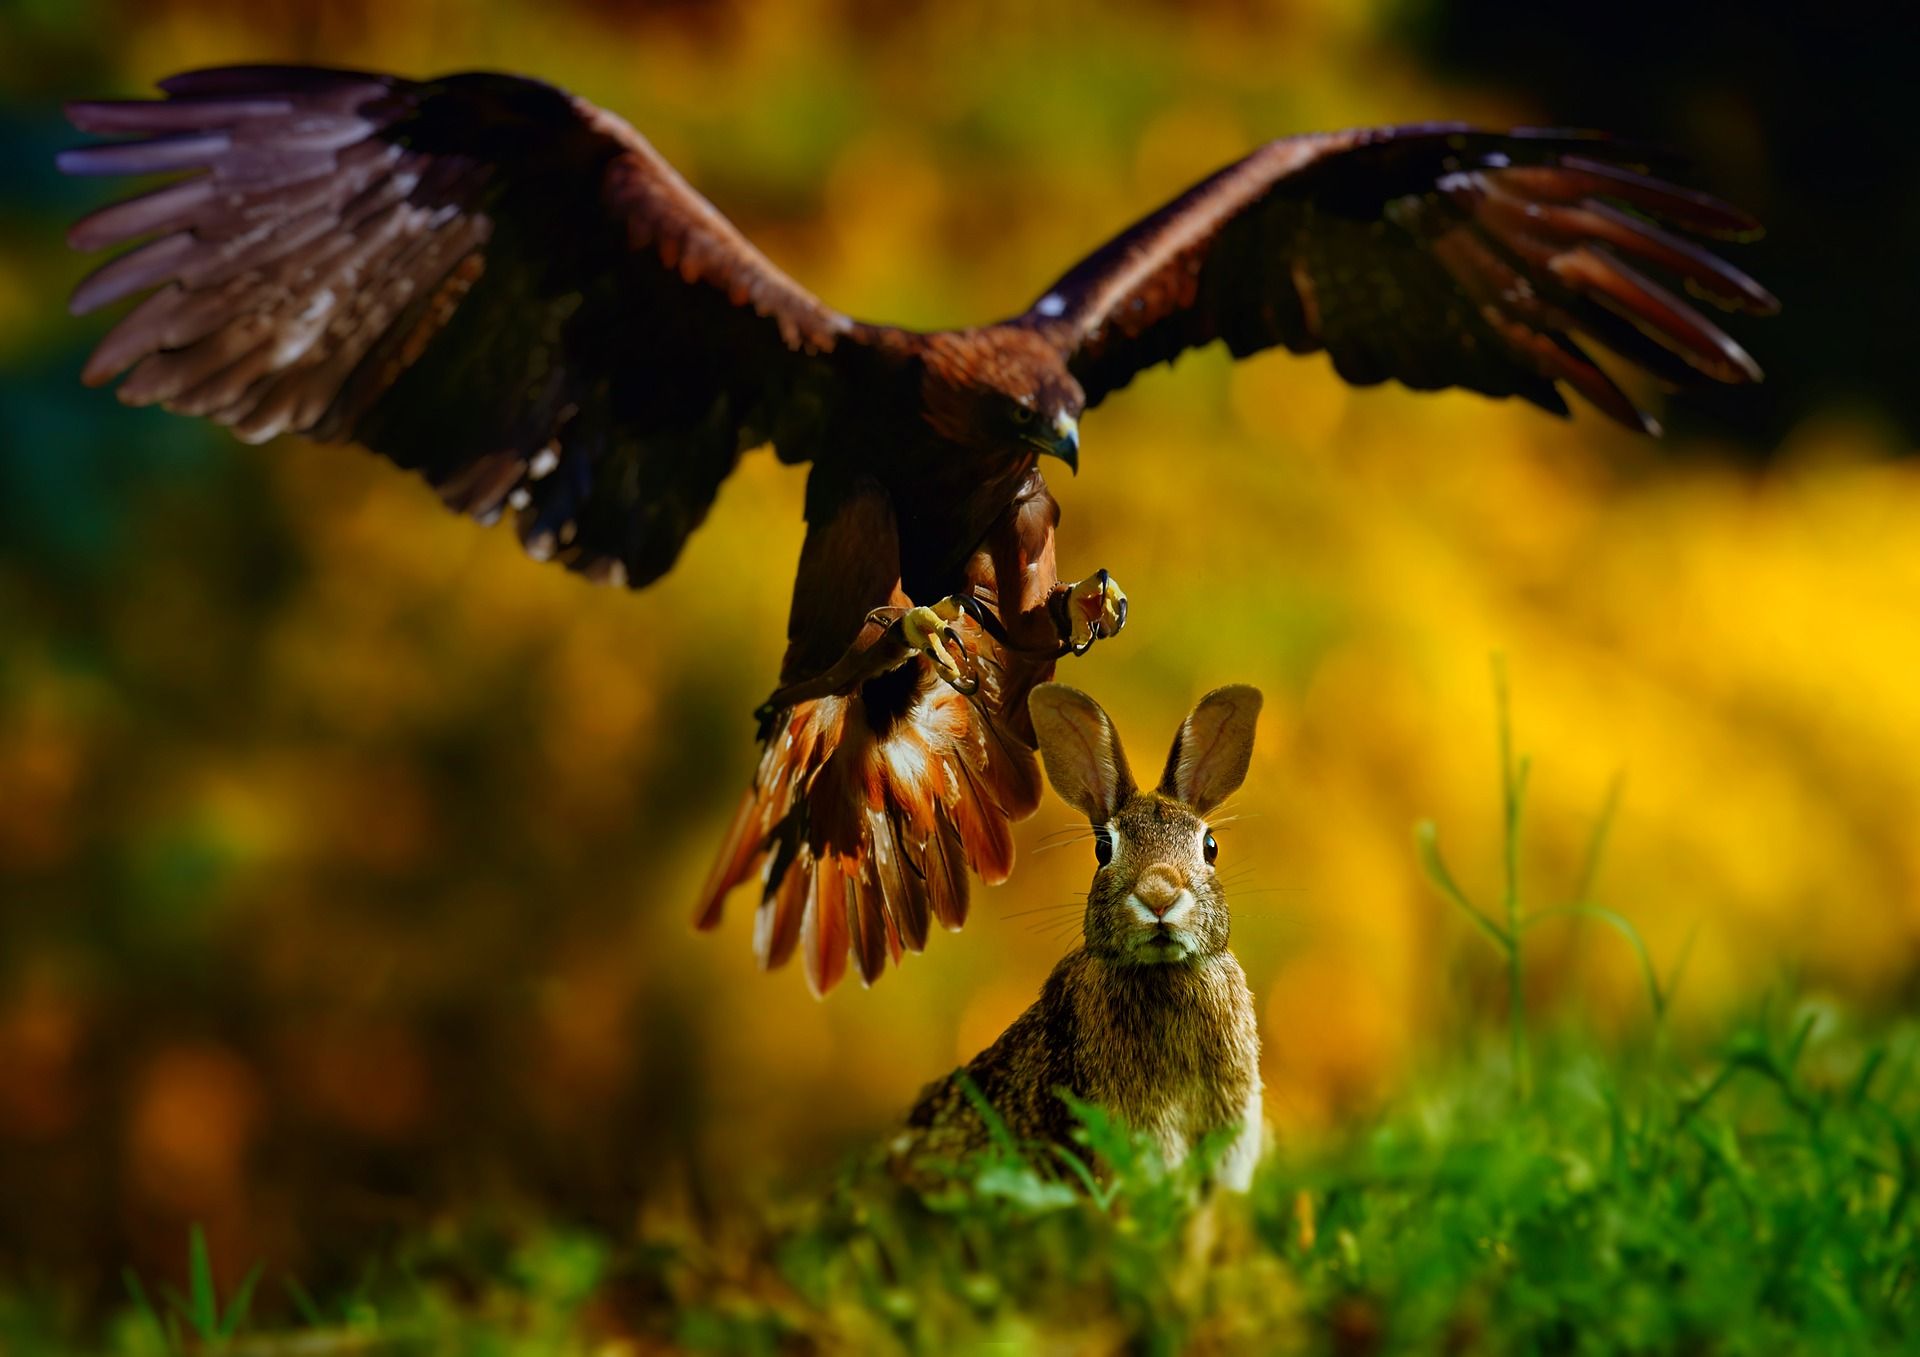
929	630
1096	609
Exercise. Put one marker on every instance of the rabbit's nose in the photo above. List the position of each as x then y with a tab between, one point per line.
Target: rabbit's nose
1159	887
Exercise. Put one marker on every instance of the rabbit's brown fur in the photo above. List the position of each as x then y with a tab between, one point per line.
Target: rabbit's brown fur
1151	1018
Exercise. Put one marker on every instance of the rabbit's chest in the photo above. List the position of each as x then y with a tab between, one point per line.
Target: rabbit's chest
1178	1090
1185	1116
1177	1066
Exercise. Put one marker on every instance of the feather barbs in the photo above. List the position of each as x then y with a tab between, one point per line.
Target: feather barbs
446	271
879	823
1437	255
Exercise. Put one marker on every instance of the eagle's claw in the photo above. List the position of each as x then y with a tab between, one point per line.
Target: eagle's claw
930	631
1096	609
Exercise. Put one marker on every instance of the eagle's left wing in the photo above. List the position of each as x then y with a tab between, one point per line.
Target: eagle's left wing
1435	255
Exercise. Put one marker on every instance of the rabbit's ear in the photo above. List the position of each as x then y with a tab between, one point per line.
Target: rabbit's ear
1211	753
1081	750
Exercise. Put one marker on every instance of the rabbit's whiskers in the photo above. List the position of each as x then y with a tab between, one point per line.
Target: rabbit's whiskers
1064	843
1079	830
1079	902
1224	820
1062	838
1054	929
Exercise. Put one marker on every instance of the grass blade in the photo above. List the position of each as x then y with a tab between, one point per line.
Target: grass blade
1597	841
303	1302
996	1126
241	1303
1622	925
145	1307
1427	843
204	1306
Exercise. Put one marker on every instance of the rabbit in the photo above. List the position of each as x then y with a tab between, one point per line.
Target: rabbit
1151	1017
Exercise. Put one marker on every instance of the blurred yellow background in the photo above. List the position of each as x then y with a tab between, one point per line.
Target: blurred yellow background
346	856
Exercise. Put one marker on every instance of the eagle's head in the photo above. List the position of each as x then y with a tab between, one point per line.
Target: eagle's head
1003	387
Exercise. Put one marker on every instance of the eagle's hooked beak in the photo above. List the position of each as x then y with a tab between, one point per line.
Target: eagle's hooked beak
1066	441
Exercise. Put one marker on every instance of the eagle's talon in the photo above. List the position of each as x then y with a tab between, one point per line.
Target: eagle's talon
1096	609
929	630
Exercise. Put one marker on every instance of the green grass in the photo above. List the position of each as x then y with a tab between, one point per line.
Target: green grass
1760	1202
1760	1206
200	1312
1754	1196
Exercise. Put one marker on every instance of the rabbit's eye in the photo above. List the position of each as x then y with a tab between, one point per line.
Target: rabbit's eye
1102	847
1210	847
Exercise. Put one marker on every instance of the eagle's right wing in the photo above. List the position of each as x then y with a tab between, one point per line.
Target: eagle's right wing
481	277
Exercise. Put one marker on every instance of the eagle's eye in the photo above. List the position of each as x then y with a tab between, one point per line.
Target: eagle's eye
1022	414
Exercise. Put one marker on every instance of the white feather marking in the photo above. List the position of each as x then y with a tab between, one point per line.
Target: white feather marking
906	761
318	306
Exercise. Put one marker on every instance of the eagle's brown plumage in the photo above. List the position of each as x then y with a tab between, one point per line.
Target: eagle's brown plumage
1434	255
508	291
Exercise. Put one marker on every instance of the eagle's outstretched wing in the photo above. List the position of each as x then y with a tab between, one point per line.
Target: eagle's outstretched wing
1435	255
481	277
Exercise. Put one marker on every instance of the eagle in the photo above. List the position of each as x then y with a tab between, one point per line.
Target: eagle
509	292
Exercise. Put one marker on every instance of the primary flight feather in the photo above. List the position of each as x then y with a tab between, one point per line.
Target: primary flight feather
510	292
